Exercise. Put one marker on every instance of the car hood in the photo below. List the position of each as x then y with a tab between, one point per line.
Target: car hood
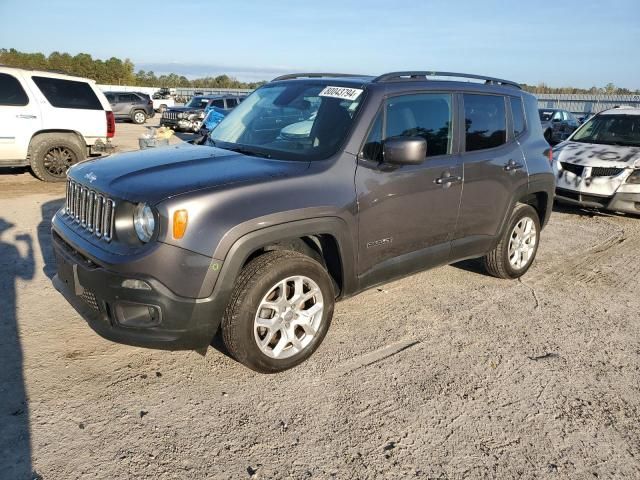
155	174
597	155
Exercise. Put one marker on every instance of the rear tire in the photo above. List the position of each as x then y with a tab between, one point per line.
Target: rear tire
272	290
517	247
51	155
139	117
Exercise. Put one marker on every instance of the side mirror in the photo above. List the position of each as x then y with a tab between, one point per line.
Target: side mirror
405	150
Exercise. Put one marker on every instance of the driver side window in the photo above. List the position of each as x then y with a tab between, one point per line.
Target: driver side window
425	115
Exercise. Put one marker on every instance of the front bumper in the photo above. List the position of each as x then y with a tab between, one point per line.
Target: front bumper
156	318
182	124
620	202
100	148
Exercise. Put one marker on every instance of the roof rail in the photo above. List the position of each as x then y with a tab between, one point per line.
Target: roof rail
291	76
423	75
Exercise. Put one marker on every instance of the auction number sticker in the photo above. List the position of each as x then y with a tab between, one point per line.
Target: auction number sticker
341	92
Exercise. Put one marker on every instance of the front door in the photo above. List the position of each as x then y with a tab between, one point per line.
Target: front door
19	118
408	213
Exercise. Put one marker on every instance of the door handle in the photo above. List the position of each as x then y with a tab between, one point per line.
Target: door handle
27	117
447	180
512	166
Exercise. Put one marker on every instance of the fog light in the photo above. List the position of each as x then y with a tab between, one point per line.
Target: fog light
135	284
137	315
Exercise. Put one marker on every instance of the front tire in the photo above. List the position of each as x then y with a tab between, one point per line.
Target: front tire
279	312
518	246
52	154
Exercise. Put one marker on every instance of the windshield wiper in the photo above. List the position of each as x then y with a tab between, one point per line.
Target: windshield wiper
247	151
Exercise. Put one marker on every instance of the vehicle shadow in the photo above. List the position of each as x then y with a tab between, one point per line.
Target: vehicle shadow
588	212
15	441
48	210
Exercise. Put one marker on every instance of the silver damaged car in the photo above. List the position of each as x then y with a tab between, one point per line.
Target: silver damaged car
598	166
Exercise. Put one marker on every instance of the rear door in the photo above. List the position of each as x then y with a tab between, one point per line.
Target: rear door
71	105
494	167
19	117
407	214
125	103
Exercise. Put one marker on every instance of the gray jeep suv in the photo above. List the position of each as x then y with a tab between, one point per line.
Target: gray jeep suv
315	188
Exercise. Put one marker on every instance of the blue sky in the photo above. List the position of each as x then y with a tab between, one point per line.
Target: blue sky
565	42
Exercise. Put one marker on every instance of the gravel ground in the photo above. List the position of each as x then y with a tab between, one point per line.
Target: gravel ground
445	374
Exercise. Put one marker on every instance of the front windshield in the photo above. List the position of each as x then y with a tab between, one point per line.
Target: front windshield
546	115
610	130
290	121
197	102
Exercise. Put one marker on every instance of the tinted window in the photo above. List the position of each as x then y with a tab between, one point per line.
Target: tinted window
126	98
218	103
372	149
485	121
424	115
110	97
545	115
517	112
68	93
231	102
11	92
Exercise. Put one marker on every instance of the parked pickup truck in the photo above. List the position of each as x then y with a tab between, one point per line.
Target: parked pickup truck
162	100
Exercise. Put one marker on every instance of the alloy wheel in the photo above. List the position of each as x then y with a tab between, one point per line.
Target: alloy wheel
58	160
288	317
522	243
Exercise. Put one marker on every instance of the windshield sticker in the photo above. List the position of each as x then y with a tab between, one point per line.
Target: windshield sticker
341	92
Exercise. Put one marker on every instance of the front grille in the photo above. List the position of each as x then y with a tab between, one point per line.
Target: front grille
170	116
91	209
606	171
570	167
90	299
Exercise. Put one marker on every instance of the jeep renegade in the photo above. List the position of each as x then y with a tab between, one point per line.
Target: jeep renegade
315	188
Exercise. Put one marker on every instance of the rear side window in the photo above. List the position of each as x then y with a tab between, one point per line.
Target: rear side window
128	98
68	93
231	102
485	121
11	92
218	103
517	113
425	115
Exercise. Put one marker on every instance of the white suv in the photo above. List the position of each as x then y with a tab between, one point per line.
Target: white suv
50	121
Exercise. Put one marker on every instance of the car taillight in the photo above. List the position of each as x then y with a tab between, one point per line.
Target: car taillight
111	124
150	102
549	154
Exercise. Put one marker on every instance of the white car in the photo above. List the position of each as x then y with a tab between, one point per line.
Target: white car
50	121
599	164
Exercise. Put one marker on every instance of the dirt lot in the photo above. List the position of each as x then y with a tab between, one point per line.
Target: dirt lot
446	374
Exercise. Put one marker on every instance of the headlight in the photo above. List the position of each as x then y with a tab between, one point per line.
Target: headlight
181	115
144	222
634	177
201	115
